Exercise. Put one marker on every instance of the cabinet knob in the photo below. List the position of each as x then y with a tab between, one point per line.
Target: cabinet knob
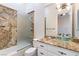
62	53
41	45
41	53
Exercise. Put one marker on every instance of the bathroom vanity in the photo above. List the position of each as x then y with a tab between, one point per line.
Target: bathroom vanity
52	48
59	32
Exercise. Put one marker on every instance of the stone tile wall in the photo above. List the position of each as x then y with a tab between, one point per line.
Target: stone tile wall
8	27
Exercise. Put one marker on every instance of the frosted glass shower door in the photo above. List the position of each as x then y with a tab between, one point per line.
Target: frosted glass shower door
30	23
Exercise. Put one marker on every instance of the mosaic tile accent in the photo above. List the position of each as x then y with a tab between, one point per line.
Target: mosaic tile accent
8	27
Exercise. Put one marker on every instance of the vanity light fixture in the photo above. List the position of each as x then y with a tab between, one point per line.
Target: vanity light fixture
63	8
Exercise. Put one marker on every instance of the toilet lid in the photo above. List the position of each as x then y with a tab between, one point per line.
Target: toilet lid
30	50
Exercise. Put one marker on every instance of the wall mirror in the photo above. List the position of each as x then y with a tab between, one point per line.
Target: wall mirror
58	20
65	24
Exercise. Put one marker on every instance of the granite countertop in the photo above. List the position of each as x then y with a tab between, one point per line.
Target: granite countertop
67	45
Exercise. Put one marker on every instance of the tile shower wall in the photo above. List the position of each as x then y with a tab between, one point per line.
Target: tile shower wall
8	25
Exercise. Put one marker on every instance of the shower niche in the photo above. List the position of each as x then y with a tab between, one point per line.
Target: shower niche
8	26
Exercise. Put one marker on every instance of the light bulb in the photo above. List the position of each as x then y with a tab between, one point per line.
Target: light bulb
65	10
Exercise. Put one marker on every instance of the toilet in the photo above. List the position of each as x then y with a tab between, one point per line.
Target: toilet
30	52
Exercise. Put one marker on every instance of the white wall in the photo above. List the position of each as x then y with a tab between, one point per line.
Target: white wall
76	29
51	20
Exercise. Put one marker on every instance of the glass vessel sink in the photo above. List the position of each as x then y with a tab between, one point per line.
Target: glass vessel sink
64	37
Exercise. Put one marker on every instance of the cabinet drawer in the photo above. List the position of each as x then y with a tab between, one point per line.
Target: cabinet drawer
49	48
42	52
69	52
57	50
42	45
62	51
